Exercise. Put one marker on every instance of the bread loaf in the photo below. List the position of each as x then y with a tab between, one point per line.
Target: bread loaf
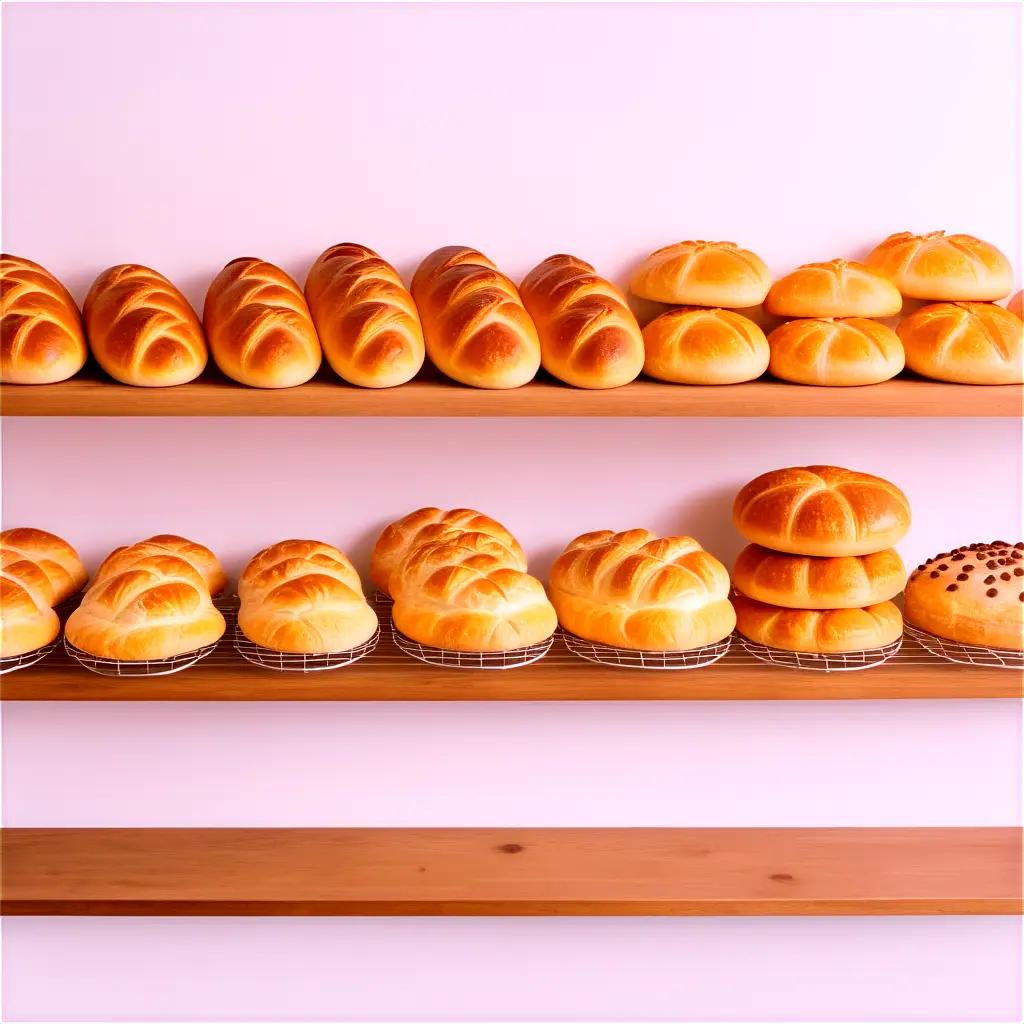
964	342
821	510
835	353
940	266
800	581
259	326
41	337
837	288
704	346
304	597
157	607
476	328
973	594
142	330
55	558
588	335
365	317
834	631
702	274
201	558
642	592
27	622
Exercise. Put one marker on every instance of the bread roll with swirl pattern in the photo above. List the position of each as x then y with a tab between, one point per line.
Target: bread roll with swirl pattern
702	273
835	353
41	336
54	557
259	327
201	558
367	322
838	288
27	622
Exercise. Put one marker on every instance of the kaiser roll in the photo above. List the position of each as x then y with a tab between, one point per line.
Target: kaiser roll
27	622
837	288
835	353
201	558
702	274
55	558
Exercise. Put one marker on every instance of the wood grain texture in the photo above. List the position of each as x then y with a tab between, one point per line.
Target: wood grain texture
512	871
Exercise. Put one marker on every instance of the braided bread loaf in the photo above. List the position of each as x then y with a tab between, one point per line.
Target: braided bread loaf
58	561
642	592
27	622
365	316
41	338
304	597
476	328
259	327
142	330
201	558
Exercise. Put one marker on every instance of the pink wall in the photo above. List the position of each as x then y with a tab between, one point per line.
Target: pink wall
185	136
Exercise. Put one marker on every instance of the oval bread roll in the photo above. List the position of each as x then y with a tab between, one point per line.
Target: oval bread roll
476	327
699	273
365	317
259	327
201	558
438	546
41	336
821	510
940	266
27	622
1016	305
838	288
800	581
972	594
835	353
964	342
642	592
704	346
588	335
54	557
142	330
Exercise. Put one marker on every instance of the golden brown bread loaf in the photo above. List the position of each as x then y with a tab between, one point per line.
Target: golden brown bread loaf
142	330
833	631
367	322
201	558
964	342
821	510
972	594
642	592
1016	305
54	557
588	335
428	525
835	353
837	288
940	266
259	327
156	607
476	327
704	346
698	273
41	336
27	622
801	581
304	597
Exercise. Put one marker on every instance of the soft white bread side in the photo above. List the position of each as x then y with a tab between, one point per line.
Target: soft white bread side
56	558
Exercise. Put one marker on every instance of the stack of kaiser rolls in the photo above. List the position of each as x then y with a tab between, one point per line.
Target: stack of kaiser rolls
458	581
820	572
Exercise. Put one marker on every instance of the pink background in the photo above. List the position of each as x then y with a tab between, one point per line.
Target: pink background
185	136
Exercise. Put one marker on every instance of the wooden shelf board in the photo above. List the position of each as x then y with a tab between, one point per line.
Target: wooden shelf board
512	871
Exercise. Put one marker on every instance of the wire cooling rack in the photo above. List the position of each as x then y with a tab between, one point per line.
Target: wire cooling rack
965	654
853	661
517	658
622	657
283	661
140	669
16	661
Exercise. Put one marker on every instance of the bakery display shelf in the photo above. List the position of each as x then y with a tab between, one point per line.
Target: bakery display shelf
89	394
512	871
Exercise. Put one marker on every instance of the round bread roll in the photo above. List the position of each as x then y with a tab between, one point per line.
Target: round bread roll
259	327
429	525
1016	305
801	581
55	558
438	545
699	273
838	288
821	510
964	342
833	631
704	346
642	592
588	335
201	558
365	317
304	597
27	622
158	607
41	337
835	353
142	330
476	327
972	594
940	266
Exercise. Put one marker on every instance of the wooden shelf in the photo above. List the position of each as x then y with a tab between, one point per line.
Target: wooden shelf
512	871
90	395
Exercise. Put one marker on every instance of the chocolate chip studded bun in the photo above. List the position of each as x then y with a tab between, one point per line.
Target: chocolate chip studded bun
973	594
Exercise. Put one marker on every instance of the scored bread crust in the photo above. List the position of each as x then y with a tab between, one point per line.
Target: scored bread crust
700	273
201	558
838	288
52	555
845	352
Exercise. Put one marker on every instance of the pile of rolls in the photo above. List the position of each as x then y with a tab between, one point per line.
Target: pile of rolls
820	572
